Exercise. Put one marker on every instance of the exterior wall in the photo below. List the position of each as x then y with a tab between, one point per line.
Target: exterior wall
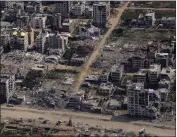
39	22
63	8
100	14
7	88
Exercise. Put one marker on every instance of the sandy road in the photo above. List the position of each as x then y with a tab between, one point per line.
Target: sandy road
84	118
163	9
114	21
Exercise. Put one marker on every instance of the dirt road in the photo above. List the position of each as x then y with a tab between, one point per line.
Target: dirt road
82	118
114	21
163	9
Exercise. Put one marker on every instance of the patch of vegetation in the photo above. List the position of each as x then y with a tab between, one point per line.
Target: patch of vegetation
159	14
134	13
156	4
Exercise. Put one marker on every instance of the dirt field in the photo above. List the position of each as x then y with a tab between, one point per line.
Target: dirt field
83	119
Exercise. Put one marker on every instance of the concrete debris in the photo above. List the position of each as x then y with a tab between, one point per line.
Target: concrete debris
47	99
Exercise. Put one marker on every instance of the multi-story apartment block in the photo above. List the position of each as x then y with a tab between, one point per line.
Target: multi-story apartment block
63	7
138	61
141	102
57	42
141	76
116	73
4	39
101	12
40	43
19	40
56	21
78	9
39	21
153	73
88	12
162	58
7	86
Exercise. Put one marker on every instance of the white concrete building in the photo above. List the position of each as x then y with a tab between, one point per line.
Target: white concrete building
40	43
39	21
141	101
57	41
153	73
116	73
78	9
101	12
89	32
7	87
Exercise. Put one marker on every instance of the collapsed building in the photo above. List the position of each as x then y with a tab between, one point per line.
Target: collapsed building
147	20
106	88
153	74
116	73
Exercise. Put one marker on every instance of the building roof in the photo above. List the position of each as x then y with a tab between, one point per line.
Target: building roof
142	72
106	86
161	55
171	73
5	76
154	67
115	68
100	4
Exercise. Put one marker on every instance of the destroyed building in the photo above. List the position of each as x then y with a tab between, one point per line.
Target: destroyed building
168	74
104	77
142	102
77	60
89	32
92	78
168	22
147	20
162	59
116	73
153	74
77	10
7	87
75	101
106	88
141	76
138	61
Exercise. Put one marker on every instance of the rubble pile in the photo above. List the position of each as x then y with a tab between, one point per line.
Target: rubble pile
47	99
18	57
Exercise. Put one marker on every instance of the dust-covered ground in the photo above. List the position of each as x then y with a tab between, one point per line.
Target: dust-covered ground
115	51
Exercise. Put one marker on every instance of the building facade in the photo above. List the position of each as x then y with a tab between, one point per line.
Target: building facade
101	12
7	87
